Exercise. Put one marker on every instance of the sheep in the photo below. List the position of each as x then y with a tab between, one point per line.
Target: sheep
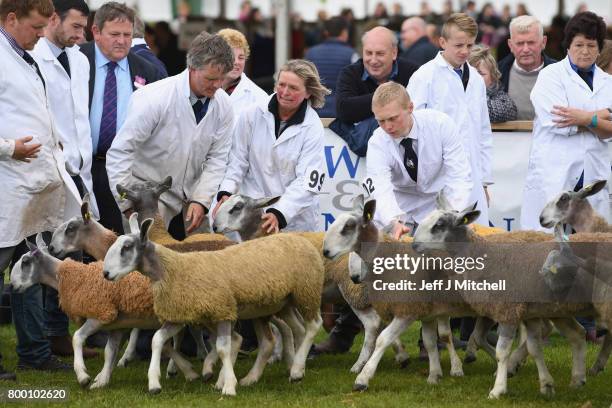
90	300
251	280
444	226
242	214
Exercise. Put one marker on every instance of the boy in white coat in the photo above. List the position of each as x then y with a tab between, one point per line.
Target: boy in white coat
449	84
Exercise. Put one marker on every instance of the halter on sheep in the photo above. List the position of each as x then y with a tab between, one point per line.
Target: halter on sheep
192	288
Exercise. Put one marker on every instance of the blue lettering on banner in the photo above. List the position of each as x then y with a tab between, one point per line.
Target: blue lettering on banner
329	220
344	156
509	223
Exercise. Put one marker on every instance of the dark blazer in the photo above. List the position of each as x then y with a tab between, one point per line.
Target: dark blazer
505	64
354	96
142	50
138	67
421	52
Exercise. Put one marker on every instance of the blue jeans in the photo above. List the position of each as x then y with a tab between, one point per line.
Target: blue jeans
56	320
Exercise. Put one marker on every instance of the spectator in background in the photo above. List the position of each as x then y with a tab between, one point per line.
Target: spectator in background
417	47
488	24
261	40
521	10
349	17
396	18
470	9
380	14
330	57
501	107
604	61
519	71
169	53
140	47
245	10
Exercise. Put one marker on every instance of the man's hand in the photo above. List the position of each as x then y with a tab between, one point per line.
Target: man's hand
399	229
270	224
195	214
223	199
24	152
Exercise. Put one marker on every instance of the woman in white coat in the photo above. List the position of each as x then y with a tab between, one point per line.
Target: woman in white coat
278	150
243	92
567	151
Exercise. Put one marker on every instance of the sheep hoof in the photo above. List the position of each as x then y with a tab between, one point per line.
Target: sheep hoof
577	383
469	358
404	363
295	379
154	391
495	394
171	374
434	378
357	367
595	370
246	381
84	382
456	373
360	387
547	390
230	392
207	377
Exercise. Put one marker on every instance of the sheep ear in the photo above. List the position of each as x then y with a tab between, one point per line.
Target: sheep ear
265	202
369	209
467	217
592	189
164	186
133	221
32	247
40	242
85	210
442	202
125	193
144	230
358	202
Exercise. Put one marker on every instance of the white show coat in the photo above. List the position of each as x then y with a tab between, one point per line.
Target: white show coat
246	95
442	165
69	104
436	86
262	166
559	155
40	195
160	138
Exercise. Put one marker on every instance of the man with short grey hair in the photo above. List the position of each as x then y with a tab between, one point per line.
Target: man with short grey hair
141	48
417	47
180	127
520	69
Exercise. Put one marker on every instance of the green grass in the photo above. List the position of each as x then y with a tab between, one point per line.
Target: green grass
328	383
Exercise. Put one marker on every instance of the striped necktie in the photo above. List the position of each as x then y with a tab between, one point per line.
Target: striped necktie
108	124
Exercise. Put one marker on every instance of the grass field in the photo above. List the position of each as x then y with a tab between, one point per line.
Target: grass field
328	383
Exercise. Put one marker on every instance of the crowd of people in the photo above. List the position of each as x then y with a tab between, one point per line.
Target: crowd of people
82	119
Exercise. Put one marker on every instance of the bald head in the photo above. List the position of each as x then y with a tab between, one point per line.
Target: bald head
379	53
413	29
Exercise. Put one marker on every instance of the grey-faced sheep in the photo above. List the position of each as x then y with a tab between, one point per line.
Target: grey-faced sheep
251	280
243	214
94	303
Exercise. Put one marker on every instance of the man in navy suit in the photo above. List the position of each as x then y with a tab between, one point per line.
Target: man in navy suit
141	48
114	74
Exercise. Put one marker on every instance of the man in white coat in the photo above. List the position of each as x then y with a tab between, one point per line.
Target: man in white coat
66	71
180	127
39	195
413	156
449	84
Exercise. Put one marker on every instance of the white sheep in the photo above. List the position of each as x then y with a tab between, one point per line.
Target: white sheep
94	303
243	214
251	280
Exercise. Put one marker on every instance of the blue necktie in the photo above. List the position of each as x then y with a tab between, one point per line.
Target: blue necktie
200	109
108	124
587	76
458	72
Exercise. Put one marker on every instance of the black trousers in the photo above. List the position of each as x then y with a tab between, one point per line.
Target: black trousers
110	216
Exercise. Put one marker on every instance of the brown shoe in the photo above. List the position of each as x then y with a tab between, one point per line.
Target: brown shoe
61	345
90	353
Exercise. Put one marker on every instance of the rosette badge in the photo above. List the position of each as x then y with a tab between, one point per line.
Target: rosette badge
139	82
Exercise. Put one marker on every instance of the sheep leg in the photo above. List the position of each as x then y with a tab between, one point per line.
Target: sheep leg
371	324
478	339
130	349
290	317
299	363
161	336
224	349
534	346
446	335
288	346
181	362
401	355
211	359
198	336
280	330
574	333
110	354
397	326
177	340
518	356
603	355
502	353
430	341
236	343
78	339
265	340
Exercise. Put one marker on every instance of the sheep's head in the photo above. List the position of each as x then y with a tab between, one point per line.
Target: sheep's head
144	196
242	214
443	225
350	230
72	235
127	253
30	268
570	207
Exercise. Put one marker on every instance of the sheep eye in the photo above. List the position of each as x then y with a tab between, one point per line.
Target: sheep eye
26	261
564	197
348	227
236	207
